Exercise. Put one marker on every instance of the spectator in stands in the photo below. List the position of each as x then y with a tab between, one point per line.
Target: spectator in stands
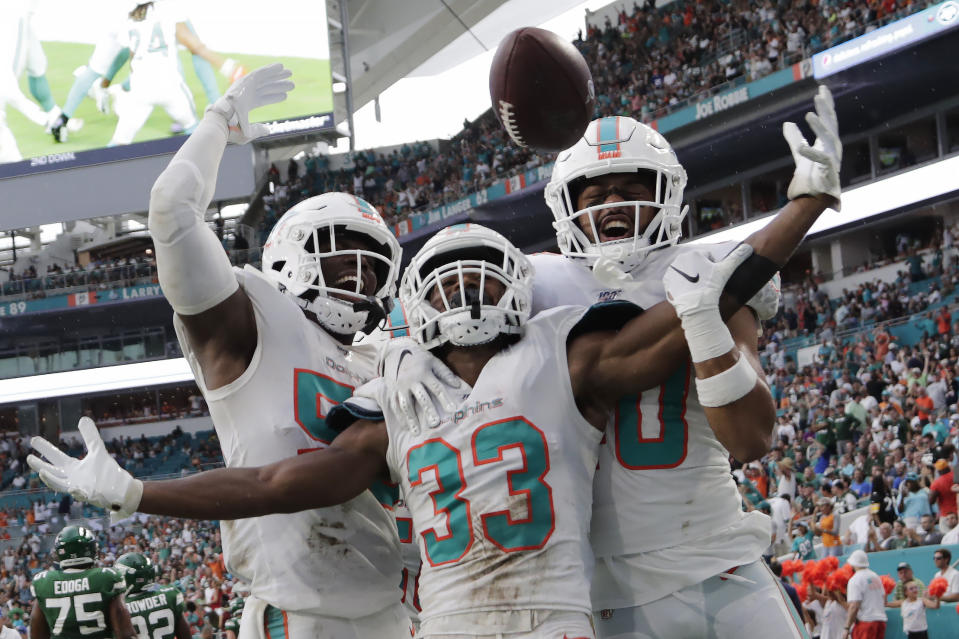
949	524
880	538
787	478
913	502
828	527
940	492
844	499
928	534
905	577
866	597
943	560
803	542
860	485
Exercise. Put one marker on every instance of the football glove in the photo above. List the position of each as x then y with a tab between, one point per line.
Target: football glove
96	479
766	301
694	283
419	384
266	85
817	166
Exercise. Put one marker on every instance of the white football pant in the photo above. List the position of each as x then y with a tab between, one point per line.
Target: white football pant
750	602
513	624
263	621
149	90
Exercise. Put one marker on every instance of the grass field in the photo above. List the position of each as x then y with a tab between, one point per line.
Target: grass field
311	95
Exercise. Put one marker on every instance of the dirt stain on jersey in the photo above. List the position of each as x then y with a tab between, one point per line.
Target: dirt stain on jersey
497	577
323	538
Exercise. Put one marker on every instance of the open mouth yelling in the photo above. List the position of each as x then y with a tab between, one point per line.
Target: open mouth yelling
615	226
348	281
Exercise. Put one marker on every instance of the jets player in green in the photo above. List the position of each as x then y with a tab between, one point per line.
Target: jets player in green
79	600
156	611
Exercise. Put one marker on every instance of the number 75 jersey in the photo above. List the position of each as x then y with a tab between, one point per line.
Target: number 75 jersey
501	491
75	601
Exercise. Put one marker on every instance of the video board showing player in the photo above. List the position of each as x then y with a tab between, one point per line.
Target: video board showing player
76	77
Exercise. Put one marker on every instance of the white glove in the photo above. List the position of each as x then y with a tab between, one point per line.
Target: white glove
266	85
419	384
817	166
694	283
766	301
96	479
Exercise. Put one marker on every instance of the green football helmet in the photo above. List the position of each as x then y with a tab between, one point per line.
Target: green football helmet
137	570
236	605
75	546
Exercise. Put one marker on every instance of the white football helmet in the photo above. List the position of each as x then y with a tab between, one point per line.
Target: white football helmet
466	318
292	258
617	145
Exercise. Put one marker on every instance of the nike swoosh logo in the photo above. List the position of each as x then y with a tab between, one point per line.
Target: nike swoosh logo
400	362
692	278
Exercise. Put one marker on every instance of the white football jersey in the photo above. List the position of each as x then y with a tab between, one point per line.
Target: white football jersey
500	492
152	41
664	483
342	561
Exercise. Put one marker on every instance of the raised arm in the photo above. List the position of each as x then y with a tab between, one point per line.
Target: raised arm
737	400
605	367
193	269
334	475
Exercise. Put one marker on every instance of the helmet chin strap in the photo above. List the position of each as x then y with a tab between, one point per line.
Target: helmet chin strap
376	313
471	297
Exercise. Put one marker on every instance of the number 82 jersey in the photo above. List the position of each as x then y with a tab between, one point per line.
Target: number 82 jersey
154	612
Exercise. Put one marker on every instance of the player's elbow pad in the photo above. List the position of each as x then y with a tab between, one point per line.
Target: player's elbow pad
194	271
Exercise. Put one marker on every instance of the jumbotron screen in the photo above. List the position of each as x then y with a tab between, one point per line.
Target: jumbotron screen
123	71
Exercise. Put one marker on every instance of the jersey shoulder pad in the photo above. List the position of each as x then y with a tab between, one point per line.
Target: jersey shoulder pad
366	403
114	579
174	597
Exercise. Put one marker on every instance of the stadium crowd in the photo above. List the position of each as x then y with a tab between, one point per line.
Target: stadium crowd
652	60
188	554
99	275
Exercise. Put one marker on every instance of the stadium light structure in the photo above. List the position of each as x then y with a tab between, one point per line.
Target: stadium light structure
883	196
96	380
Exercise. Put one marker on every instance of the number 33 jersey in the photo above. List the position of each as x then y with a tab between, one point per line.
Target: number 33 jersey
666	511
342	561
500	491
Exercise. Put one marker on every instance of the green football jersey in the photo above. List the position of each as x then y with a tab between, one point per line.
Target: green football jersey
233	623
75	601
154	611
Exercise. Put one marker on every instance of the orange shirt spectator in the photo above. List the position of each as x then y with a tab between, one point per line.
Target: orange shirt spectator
216	567
826	523
943	320
924	406
942	488
828	527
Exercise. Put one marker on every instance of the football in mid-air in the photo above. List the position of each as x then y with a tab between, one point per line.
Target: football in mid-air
542	90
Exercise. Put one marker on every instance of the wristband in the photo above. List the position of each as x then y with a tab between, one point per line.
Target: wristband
726	387
706	335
